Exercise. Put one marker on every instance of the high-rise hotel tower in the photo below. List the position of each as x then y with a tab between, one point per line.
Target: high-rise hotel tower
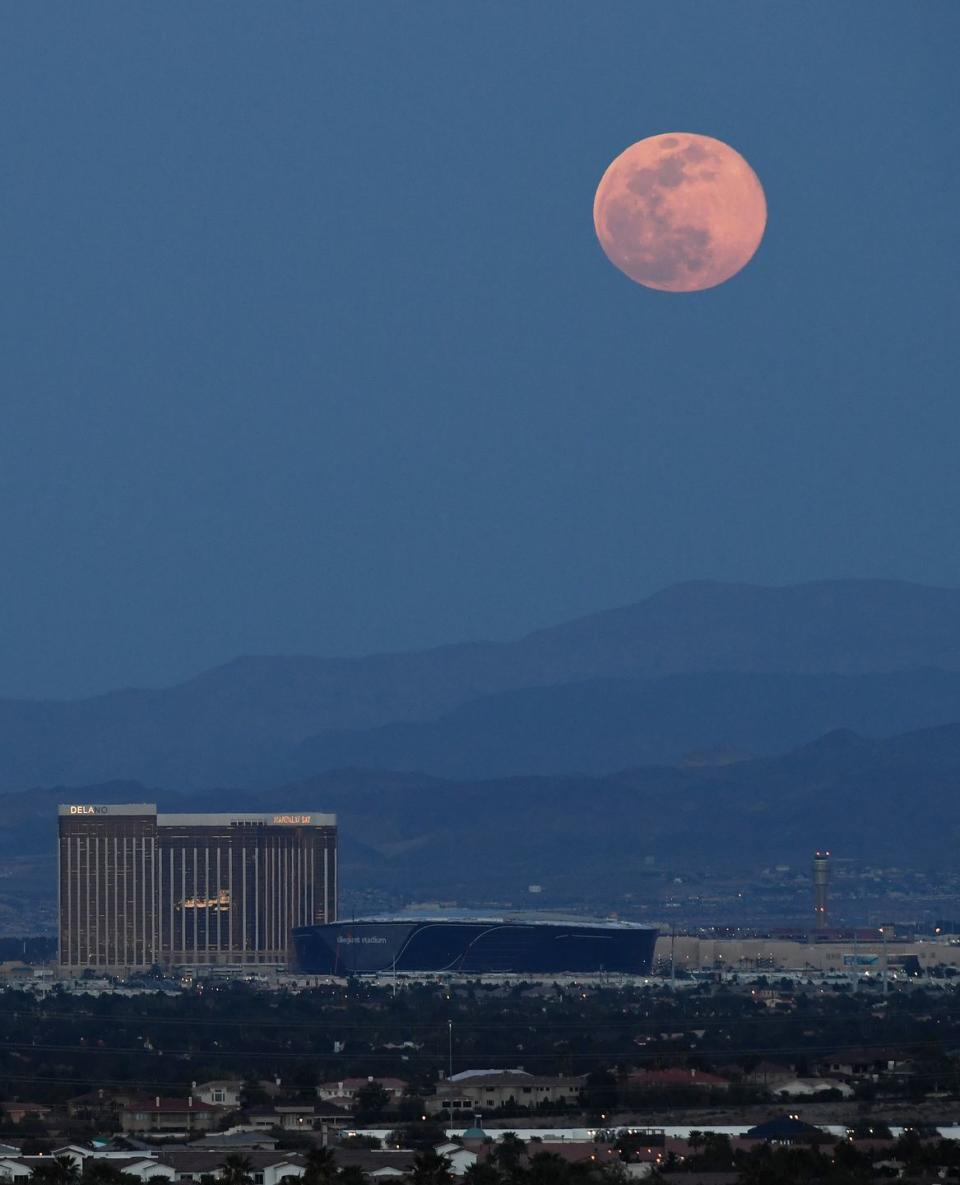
138	888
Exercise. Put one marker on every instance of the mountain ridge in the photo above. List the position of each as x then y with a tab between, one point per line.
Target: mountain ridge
241	722
598	726
881	801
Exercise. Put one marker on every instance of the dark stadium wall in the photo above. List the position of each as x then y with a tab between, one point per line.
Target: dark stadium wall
371	947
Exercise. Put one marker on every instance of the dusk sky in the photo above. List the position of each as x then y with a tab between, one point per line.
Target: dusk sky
308	345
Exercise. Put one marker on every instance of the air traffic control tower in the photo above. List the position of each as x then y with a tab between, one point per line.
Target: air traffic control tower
821	883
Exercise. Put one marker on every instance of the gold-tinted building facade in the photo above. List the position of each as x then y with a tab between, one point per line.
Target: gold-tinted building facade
139	889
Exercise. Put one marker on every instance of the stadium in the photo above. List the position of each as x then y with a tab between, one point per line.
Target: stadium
476	946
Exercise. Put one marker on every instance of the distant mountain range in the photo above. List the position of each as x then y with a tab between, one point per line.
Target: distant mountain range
603	725
699	667
889	801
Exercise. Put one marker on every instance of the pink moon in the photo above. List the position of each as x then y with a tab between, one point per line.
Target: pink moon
679	212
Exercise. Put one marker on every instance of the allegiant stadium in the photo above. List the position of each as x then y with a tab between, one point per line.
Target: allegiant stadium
474	946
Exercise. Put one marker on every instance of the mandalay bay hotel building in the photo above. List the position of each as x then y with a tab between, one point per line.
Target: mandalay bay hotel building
139	889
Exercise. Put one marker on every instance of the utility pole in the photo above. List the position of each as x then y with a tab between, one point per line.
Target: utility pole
449	1048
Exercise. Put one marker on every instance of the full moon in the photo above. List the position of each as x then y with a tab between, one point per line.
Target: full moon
679	212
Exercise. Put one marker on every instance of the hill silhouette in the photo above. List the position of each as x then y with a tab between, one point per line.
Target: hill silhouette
258	720
887	801
603	725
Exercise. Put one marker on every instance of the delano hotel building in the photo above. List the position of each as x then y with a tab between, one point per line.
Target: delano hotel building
138	888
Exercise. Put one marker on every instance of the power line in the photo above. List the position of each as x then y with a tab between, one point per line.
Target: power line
603	1057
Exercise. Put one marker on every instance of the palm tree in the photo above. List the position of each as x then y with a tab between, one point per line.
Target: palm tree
321	1166
547	1168
351	1174
509	1152
101	1172
237	1170
59	1170
430	1168
483	1172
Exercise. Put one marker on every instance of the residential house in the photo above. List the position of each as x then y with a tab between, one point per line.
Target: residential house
136	1162
864	1064
799	1088
344	1092
158	1114
768	1074
378	1165
473	1091
296	1116
268	1167
222	1092
16	1168
678	1076
460	1158
17	1112
99	1104
75	1153
237	1139
145	1167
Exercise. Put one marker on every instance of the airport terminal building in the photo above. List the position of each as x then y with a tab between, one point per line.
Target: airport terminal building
138	888
516	945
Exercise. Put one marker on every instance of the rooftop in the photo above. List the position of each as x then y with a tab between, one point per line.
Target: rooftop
158	1105
517	918
278	818
494	1078
203	1160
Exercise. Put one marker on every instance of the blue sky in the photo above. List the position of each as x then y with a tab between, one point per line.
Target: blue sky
307	344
